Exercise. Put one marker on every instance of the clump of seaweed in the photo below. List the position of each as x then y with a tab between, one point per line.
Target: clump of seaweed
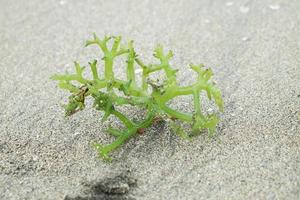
109	92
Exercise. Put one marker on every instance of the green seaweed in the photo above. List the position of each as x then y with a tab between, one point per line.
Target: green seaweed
147	95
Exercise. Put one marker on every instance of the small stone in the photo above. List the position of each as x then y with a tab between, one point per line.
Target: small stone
244	9
62	2
245	38
207	21
139	70
229	3
34	158
76	133
274	6
209	110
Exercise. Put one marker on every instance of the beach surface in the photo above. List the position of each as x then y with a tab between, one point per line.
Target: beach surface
253	48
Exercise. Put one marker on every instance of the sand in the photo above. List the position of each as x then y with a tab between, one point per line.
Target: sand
253	47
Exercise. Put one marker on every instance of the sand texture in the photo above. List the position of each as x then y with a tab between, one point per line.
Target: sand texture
253	47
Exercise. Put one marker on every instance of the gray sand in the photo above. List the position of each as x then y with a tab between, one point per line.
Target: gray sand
252	46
